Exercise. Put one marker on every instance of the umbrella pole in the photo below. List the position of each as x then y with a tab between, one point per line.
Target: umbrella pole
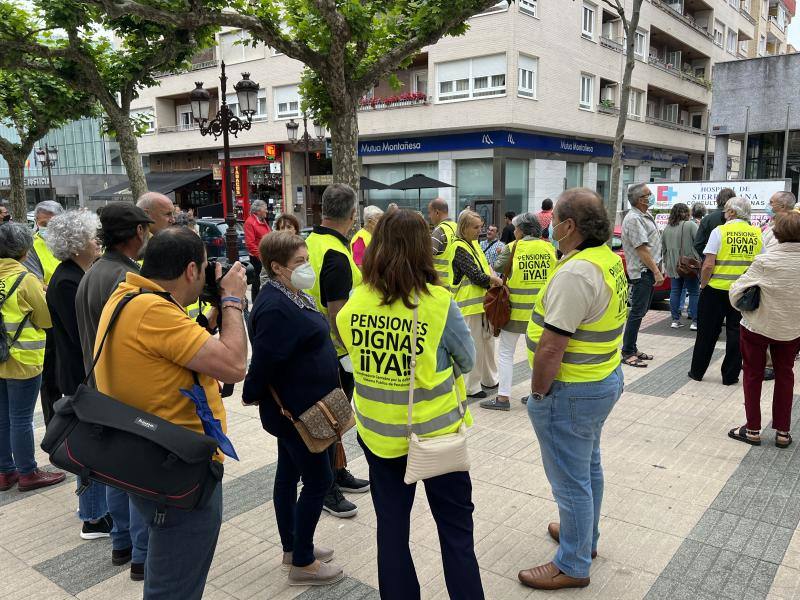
419	199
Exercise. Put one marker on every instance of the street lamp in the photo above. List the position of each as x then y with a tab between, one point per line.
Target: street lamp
47	157
225	123
292	129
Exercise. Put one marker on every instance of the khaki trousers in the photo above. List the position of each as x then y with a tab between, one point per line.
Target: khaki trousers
485	370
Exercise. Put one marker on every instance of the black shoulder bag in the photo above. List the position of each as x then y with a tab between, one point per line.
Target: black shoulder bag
102	439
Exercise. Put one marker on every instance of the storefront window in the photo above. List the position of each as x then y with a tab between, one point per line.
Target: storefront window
604	181
394	172
574	175
659	173
474	179
265	186
516	186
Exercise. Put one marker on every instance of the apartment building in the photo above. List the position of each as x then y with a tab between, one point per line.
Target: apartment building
518	109
772	19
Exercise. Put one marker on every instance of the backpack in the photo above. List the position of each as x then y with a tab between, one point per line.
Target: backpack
5	346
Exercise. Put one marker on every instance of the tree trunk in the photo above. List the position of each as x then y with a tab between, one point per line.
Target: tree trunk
129	152
344	139
19	202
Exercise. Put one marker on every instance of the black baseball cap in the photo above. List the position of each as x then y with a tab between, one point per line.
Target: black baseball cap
122	215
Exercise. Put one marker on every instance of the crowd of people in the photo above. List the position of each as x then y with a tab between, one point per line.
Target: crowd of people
394	317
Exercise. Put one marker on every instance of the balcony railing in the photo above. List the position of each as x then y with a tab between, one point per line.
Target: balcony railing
773	20
675	126
684	18
175	128
672	70
747	15
610	43
605	109
400	101
206	64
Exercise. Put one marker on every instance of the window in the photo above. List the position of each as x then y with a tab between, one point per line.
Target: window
471	78
185	120
762	45
732	39
587	23
733	3
603	182
528	7
145	116
697	120
235	46
419	82
765	9
287	102
746	6
635	102
743	47
475	181
670	113
528	67
261	106
587	91
574	175
640	44
719	33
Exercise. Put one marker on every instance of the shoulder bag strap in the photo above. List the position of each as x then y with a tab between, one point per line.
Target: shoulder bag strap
281	408
13	289
412	365
25	317
510	265
117	310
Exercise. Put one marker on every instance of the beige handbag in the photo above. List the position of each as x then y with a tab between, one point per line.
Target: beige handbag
433	456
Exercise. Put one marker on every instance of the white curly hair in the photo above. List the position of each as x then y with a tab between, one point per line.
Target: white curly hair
70	232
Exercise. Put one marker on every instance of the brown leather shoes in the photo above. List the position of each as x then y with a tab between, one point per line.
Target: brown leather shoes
38	479
554	529
548	577
8	480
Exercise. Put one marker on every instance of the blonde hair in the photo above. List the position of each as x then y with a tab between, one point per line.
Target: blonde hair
464	220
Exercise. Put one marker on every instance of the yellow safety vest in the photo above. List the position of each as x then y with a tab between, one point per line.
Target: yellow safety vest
49	262
593	351
378	338
196	308
318	245
469	296
29	347
741	243
443	263
361	234
533	263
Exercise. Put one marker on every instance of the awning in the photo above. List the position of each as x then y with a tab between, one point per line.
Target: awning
164	183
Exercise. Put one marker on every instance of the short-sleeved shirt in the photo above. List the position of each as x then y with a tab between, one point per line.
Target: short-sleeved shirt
639	229
492	250
715	240
143	363
335	278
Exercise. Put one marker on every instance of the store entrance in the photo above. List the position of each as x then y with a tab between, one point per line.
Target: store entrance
266	186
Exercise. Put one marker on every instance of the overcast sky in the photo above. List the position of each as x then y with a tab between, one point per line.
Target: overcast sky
794	32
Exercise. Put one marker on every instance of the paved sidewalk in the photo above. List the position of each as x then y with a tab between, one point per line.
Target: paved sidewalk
687	513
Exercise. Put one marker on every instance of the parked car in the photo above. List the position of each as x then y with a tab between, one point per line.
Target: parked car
212	232
662	291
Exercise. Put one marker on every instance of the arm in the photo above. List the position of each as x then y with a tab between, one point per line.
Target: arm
502	260
64	306
456	339
335	284
707	269
644	255
226	358
467	266
548	360
438	241
33	295
250	237
701	237
359	247
274	340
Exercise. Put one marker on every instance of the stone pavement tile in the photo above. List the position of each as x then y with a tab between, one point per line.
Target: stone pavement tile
666	378
118	587
792	557
81	567
650	511
347	589
636	547
235	548
247	491
27	582
777	546
717	576
258	570
786	585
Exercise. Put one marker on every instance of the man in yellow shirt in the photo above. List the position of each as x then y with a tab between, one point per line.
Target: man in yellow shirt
150	355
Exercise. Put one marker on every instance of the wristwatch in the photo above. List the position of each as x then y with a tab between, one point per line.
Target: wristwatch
537	397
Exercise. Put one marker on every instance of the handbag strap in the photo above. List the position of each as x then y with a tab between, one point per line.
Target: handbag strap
25	317
281	407
510	265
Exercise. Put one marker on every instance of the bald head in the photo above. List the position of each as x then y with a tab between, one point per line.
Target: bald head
437	211
159	208
580	215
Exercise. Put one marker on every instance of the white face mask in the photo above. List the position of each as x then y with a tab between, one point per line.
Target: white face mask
303	277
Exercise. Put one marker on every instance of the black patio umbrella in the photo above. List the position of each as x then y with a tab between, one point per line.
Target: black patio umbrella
371	184
419	182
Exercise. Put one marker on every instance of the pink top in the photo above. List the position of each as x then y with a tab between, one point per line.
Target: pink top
359	247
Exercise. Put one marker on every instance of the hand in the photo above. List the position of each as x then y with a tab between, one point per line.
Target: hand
213	319
234	283
495	281
659	277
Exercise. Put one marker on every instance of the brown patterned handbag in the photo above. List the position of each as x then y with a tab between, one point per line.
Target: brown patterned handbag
324	423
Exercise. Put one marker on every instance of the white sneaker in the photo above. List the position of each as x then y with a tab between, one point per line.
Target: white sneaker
693	326
676	325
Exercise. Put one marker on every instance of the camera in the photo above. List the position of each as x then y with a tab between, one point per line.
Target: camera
211	293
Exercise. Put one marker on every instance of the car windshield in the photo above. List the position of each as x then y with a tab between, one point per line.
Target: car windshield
223	227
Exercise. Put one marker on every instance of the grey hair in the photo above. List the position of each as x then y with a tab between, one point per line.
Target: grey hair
15	240
257	205
787	199
71	232
699	210
529	224
372	213
635	192
740	206
48	206
146	200
338	202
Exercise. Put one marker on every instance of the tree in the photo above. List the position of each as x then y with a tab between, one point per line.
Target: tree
629	25
64	39
346	45
32	104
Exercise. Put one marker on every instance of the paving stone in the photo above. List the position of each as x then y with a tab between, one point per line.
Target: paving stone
347	589
665	380
776	549
82	567
248	491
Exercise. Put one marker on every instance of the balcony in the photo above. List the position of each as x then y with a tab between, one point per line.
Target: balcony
611	44
685	17
673	111
685	75
747	15
198	66
399	101
673	125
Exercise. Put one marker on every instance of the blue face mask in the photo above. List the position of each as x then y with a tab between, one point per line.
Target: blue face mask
651	201
769	211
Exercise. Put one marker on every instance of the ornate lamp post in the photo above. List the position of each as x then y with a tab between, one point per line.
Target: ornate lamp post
306	141
225	123
48	157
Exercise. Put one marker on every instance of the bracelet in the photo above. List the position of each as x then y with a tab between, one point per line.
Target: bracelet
239	308
231	299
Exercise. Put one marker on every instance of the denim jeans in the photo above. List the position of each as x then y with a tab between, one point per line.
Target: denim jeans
92	504
568	423
17	402
690	285
180	551
641	298
130	529
297	518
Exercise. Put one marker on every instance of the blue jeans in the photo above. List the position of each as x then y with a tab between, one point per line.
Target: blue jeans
92	504
690	285
568	423
130	529
180	551
17	402
641	298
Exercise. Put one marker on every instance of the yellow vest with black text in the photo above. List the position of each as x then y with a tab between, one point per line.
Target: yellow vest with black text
740	244
443	263
593	351
318	245
49	262
378	338
532	265
29	347
469	296
361	234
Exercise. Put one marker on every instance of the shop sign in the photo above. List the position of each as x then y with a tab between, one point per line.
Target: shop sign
216	172
270	151
275	168
237	181
758	192
32	182
485	139
654	155
321	180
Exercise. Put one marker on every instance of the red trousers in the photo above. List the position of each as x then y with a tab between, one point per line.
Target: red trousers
754	358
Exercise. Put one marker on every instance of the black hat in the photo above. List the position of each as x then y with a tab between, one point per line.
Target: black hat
122	215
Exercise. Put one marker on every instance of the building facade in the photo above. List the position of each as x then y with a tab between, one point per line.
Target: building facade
772	18
518	109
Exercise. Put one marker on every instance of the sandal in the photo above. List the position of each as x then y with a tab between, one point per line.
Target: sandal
748	436
634	361
787	439
643	356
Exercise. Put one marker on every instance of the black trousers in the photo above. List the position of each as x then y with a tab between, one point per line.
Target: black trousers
256	262
450	499
713	308
49	391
